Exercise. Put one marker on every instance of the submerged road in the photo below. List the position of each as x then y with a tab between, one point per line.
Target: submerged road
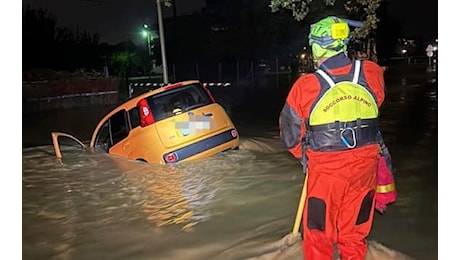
89	203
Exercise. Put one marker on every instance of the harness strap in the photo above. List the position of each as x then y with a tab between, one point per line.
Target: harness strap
337	136
357	70
337	126
340	136
326	77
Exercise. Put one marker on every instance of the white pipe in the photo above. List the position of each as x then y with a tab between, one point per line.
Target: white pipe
162	43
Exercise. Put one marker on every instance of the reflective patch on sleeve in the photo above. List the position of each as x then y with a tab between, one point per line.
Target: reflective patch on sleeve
316	219
366	207
290	126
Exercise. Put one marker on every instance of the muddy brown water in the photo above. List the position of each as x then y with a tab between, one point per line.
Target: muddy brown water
235	205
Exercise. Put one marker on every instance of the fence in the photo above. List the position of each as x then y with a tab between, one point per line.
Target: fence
69	93
263	73
267	74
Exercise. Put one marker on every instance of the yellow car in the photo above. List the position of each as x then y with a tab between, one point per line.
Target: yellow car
176	122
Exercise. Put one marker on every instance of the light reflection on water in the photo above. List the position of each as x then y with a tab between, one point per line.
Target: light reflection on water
90	204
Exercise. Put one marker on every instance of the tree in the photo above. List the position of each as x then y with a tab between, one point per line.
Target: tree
122	63
39	28
363	39
365	9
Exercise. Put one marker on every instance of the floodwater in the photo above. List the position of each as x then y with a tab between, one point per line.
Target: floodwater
235	205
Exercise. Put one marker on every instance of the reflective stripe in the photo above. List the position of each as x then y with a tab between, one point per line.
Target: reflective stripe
385	188
355	74
357	70
327	78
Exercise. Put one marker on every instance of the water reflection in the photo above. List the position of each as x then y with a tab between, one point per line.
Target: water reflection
174	195
88	202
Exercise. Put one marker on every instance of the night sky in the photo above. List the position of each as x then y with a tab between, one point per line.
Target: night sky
120	20
420	17
113	20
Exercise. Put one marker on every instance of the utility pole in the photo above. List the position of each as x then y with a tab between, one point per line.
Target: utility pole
162	43
149	44
148	33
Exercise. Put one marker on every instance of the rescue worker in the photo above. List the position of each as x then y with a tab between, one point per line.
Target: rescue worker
329	122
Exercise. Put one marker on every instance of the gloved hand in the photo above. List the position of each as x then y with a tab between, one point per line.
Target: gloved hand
386	190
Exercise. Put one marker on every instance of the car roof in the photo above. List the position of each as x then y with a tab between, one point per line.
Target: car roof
164	88
133	100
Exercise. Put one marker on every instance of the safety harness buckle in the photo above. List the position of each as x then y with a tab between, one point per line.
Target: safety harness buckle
344	140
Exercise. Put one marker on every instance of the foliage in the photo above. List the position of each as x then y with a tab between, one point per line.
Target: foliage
47	46
366	10
299	8
124	62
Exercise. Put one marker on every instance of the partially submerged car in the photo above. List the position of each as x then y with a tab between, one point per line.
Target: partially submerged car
176	122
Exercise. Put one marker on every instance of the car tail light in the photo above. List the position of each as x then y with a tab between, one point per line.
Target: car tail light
170	157
145	113
234	133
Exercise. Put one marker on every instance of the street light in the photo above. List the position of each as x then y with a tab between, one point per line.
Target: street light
148	35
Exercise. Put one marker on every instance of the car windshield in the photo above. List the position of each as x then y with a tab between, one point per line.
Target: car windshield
178	100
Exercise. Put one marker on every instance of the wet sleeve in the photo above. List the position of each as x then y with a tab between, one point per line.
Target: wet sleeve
385	152
374	77
295	112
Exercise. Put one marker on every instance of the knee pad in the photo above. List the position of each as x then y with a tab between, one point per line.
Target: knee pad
366	207
316	219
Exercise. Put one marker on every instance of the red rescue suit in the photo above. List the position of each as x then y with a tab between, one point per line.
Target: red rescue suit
342	164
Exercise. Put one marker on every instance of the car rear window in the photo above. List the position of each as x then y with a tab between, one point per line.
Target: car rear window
186	98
